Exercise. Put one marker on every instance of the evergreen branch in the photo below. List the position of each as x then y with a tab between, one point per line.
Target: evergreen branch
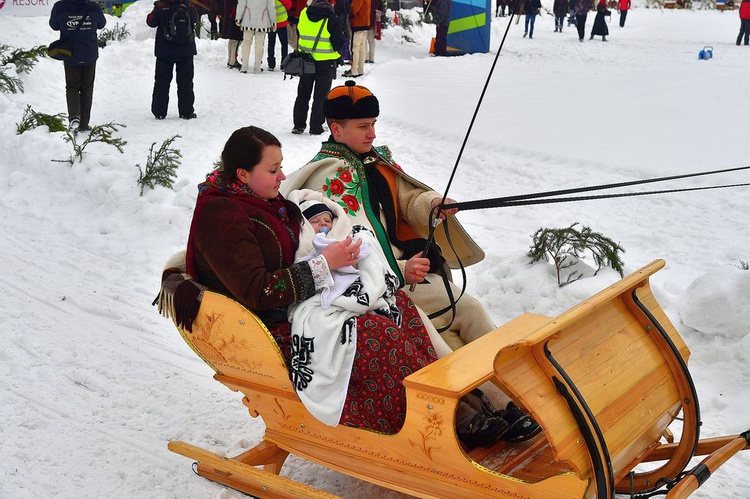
99	133
117	33
31	119
10	84
24	59
161	166
567	246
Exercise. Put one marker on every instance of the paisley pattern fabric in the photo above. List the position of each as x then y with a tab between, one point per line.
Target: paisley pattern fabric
386	354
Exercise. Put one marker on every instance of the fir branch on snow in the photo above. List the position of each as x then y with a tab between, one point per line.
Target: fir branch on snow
31	119
24	59
9	84
161	166
99	133
565	247
117	33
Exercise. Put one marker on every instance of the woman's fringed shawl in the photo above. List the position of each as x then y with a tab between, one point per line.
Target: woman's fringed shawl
180	296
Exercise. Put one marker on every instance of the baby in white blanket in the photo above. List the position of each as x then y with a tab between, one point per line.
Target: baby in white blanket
327	228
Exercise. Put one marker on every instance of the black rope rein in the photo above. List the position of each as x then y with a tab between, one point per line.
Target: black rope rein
548	197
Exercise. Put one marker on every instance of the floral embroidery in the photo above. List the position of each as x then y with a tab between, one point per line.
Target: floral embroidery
345	175
345	186
278	286
350	202
336	186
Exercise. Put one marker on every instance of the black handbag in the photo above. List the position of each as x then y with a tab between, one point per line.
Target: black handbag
298	64
301	63
60	50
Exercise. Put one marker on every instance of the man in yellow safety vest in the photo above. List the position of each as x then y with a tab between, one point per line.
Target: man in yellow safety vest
320	35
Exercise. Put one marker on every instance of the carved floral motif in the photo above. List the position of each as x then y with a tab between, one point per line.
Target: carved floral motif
432	430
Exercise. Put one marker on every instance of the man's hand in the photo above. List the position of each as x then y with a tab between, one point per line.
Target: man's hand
416	269
444	213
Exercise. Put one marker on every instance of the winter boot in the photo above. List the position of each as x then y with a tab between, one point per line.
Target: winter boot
73	126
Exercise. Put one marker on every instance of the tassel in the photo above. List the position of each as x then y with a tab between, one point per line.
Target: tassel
180	299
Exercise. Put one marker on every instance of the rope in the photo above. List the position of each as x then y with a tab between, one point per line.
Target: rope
433	224
534	198
501	203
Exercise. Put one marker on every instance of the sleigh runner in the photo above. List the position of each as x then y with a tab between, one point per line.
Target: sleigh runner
605	380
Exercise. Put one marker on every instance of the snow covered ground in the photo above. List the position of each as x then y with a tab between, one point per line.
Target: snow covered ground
96	382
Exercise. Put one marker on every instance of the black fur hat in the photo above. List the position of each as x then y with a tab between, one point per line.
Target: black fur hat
350	101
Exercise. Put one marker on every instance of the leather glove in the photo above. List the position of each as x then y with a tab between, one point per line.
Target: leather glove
273	28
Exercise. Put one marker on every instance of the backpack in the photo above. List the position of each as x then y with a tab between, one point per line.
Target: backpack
179	26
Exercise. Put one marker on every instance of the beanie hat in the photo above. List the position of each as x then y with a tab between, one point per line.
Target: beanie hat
350	101
311	208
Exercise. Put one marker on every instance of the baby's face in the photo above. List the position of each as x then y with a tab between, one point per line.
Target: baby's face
321	220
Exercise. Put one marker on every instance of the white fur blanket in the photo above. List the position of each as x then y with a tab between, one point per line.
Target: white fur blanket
324	339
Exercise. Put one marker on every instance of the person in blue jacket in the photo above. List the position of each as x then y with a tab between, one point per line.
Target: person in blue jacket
78	20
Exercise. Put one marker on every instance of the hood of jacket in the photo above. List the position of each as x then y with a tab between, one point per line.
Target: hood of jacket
319	9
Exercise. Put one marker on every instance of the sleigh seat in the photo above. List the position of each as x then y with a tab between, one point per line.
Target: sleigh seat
605	380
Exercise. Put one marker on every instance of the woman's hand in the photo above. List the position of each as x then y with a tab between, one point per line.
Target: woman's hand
445	212
342	253
416	269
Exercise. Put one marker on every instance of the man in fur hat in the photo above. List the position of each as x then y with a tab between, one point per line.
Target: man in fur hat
375	192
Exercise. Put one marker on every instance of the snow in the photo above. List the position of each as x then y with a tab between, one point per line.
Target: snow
97	383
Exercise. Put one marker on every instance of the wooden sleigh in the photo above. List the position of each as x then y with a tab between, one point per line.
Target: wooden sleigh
605	380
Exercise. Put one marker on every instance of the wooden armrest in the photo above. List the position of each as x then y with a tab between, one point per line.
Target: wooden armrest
468	367
703	471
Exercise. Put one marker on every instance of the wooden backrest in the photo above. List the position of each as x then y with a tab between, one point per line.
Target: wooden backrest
236	344
610	352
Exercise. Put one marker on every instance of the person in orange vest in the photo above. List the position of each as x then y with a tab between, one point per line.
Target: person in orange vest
623	6
745	21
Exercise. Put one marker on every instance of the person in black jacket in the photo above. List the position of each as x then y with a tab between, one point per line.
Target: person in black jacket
600	24
531	9
582	8
78	20
560	8
174	48
442	23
